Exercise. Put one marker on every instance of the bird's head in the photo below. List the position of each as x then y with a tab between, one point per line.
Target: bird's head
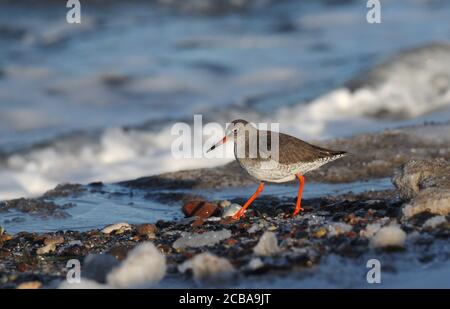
233	129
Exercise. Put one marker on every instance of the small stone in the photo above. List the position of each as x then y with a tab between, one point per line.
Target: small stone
255	263
29	285
146	229
195	240
389	237
267	245
207	266
46	249
75	250
198	222
370	230
434	222
74	243
5	238
230	242
337	228
320	232
253	229
200	209
231	210
145	265
23	267
225	204
119	252
117	227
97	266
55	240
4	253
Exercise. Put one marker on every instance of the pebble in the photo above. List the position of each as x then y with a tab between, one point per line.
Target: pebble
5	237
255	263
74	243
253	229
200	209
119	252
55	240
195	240
207	266
145	265
320	232
337	228
29	285
46	249
434	222
117	227
97	266
231	210
225	204
389	237
267	245
147	229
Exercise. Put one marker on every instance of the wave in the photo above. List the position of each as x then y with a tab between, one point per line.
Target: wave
410	85
405	89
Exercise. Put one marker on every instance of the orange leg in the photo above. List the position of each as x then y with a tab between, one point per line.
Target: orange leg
254	196
300	191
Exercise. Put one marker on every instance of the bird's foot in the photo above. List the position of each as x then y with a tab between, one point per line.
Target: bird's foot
297	212
239	214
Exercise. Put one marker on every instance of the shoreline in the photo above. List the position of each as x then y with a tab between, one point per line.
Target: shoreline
333	227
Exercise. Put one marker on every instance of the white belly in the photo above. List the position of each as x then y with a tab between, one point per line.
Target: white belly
272	171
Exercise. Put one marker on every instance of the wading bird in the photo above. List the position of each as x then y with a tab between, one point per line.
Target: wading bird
270	156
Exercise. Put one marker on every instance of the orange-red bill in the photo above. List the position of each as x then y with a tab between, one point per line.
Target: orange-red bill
222	141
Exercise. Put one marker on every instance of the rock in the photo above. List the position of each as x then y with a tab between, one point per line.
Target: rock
198	222
97	266
225	204
117	227
144	265
5	237
200	209
2	230
74	243
55	240
194	240
433	200
337	228
320	232
147	229
267	245
389	237
207	266
426	184
231	210
255	263
120	252
46	249
29	285
434	222
370	230
418	175
253	229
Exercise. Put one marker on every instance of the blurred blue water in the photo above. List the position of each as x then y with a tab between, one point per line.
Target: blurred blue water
67	91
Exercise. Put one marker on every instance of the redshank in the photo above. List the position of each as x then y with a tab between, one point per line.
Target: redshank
274	157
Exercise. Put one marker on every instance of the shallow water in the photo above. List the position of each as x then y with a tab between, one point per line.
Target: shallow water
118	204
